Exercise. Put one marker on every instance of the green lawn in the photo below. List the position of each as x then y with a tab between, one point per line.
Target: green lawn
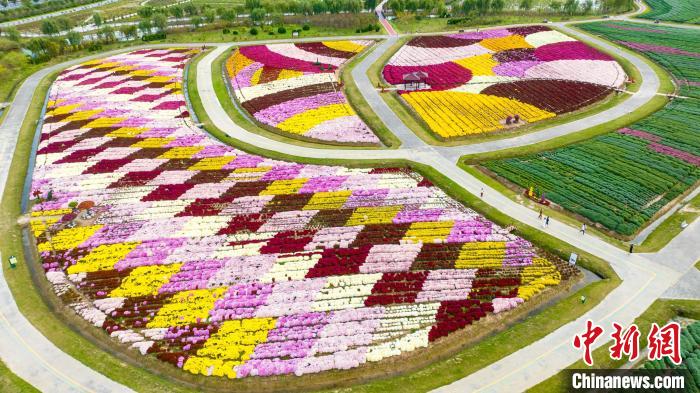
660	312
90	347
665	232
11	383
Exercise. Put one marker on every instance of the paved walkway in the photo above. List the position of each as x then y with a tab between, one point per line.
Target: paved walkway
645	276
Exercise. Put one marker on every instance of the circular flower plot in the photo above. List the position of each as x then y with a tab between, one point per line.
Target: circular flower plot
473	83
294	89
229	264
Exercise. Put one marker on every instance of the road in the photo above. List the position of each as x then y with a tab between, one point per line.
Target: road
646	277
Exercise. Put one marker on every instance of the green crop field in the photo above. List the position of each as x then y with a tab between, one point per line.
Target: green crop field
623	179
683	11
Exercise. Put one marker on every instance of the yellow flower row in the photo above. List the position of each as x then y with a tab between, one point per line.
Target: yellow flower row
328	200
187	307
284	187
451	113
39	226
68	238
211	163
181	152
536	277
236	63
145	280
479	65
429	232
481	255
55	212
231	345
344	46
305	121
374	215
505	43
102	257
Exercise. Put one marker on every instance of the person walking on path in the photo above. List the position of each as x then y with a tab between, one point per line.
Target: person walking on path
540	216
631	247
481	195
546	221
583	229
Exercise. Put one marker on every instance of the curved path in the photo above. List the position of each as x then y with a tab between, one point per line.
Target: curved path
645	276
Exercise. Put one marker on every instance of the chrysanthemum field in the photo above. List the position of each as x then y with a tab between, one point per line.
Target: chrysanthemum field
230	264
478	82
294	89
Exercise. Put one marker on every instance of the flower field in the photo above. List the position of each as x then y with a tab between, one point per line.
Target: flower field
477	82
622	179
293	88
229	264
676	49
682	11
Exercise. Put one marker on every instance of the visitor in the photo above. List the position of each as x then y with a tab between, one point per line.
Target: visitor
631	247
540	216
546	221
482	192
583	228
583	299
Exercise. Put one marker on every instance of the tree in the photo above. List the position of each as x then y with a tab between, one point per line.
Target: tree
370	4
191	9
74	38
497	5
177	11
483	6
555	6
196	21
354	6
12	33
145	26
107	33
229	15
145	12
160	22
210	15
319	7
468	6
97	19
250	5
258	14
64	24
49	27
587	6
570	7
129	31
526	5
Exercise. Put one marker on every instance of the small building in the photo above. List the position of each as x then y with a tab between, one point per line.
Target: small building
415	80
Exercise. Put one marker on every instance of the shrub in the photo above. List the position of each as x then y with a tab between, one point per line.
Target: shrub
253	31
281	30
306	27
226	31
235	32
